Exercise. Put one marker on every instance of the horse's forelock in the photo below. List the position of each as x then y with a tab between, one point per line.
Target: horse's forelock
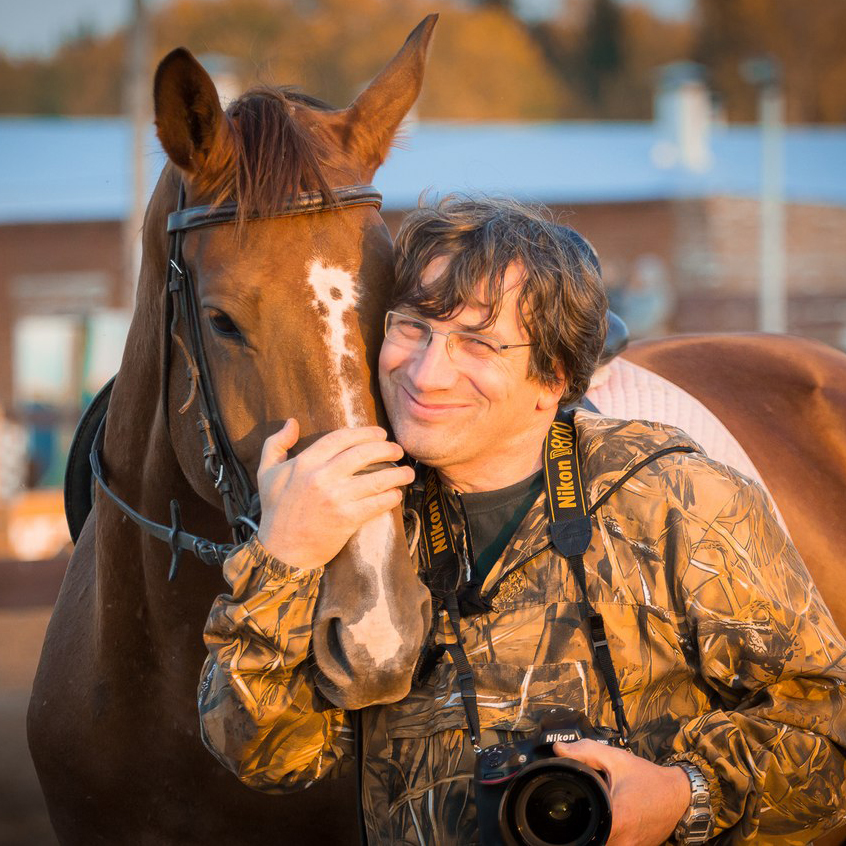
265	156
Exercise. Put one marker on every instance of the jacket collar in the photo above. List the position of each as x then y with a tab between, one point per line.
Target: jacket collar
608	448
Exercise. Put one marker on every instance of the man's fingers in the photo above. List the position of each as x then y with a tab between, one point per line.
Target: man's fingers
373	506
359	457
332	444
379	481
275	449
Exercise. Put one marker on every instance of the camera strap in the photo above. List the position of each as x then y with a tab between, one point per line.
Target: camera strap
570	531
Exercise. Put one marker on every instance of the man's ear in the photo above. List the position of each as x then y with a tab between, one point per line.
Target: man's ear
550	395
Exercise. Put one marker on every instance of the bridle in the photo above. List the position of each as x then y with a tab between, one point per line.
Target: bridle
231	480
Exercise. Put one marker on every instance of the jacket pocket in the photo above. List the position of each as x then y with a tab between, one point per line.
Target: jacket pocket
509	697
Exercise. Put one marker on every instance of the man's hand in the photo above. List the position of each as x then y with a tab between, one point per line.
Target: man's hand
314	503
647	800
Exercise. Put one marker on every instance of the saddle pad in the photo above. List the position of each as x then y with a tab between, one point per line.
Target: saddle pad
630	392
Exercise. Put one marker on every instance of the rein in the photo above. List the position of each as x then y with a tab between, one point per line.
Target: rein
231	480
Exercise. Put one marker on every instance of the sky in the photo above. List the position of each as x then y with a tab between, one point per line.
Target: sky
36	27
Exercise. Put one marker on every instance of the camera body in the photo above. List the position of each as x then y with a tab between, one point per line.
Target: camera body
525	794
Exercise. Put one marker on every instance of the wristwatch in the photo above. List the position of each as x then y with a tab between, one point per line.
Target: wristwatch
695	826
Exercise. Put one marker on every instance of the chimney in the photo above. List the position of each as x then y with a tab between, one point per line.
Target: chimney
682	118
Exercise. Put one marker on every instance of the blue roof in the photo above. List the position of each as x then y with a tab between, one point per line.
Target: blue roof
65	169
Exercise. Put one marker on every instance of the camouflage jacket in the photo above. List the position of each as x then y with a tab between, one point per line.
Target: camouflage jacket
725	653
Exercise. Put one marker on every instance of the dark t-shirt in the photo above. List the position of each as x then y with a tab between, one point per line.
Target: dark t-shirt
494	516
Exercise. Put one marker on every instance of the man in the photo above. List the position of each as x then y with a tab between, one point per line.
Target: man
727	667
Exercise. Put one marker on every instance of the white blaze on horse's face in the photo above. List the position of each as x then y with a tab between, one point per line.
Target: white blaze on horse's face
334	292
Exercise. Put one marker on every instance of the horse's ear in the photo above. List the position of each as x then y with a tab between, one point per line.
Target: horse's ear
373	119
188	112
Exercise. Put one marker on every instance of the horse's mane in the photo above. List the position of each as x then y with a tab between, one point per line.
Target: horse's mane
270	155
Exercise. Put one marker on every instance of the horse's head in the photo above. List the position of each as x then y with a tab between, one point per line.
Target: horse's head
290	311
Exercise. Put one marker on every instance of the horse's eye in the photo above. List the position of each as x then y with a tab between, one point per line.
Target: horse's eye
222	324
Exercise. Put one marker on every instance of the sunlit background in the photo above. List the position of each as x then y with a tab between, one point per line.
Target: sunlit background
699	144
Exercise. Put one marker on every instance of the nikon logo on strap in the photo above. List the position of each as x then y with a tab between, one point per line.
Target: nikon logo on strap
438	538
561	448
571	528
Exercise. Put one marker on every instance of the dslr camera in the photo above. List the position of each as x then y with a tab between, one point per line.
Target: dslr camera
525	794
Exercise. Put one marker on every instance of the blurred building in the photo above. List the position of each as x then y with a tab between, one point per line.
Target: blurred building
672	206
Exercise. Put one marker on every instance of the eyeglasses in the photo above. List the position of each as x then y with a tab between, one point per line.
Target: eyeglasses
411	333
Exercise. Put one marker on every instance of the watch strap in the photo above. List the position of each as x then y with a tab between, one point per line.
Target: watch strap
696	824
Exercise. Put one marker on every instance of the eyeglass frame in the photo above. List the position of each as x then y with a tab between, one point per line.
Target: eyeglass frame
432	331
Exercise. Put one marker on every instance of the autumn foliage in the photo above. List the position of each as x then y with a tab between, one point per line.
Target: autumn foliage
596	60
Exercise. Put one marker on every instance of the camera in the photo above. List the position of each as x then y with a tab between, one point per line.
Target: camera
525	794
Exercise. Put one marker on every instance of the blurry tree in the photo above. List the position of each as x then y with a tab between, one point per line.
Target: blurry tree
602	46
484	64
596	60
334	47
807	38
610	53
84	77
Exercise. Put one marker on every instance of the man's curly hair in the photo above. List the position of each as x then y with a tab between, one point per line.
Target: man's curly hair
562	302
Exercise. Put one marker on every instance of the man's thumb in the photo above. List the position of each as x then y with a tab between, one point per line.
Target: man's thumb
276	447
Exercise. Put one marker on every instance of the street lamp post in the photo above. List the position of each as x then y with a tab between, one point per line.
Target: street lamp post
138	108
765	74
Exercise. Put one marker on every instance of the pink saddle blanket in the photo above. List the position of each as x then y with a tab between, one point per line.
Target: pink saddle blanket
630	392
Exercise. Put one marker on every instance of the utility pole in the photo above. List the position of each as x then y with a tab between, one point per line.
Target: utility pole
138	96
765	73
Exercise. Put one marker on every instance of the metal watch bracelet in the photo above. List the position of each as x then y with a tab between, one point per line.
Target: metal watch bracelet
696	824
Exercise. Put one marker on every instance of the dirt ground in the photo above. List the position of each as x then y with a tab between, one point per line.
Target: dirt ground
23	816
27	593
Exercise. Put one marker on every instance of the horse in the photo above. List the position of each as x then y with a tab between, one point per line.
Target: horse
123	651
784	399
265	302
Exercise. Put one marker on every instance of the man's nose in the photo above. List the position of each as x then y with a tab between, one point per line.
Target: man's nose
432	368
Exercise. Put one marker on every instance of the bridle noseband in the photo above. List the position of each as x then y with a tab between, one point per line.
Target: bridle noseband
231	480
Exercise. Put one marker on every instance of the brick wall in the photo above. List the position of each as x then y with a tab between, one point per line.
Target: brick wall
36	260
708	250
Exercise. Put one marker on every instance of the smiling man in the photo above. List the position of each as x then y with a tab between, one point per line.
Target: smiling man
656	596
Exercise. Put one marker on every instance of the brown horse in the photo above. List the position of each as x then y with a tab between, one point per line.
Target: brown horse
784	400
290	310
113	724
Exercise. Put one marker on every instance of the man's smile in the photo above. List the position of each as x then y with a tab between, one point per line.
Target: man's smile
425	409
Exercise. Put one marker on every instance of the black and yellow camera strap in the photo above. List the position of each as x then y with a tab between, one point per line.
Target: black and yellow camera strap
570	533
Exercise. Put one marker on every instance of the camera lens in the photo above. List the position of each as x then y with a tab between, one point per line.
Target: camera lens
555	810
556	803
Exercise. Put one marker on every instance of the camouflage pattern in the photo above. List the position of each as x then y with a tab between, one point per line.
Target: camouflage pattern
725	652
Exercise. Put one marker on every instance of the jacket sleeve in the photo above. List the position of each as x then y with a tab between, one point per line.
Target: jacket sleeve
773	749
260	714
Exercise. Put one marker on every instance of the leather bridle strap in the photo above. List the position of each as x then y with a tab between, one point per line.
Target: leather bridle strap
307	202
213	554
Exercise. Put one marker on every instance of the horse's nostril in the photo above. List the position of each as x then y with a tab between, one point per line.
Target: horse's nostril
334	646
